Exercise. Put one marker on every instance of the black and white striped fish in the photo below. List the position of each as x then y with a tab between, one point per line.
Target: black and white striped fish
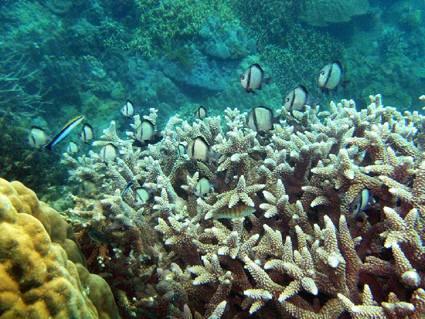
361	203
198	149
330	76
260	119
72	148
201	112
108	152
87	133
296	98
37	137
146	134
128	109
253	78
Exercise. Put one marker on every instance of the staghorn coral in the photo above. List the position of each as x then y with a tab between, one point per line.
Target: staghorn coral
41	267
302	252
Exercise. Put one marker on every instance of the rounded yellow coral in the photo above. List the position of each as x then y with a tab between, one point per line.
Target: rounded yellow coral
37	280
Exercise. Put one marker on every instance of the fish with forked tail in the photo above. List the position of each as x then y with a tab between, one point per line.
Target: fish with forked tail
64	132
237	211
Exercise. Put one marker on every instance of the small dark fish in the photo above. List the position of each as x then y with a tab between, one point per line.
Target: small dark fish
330	76
201	112
362	202
296	99
253	78
109	152
127	188
260	119
37	137
128	109
98	236
65	131
87	133
72	148
198	149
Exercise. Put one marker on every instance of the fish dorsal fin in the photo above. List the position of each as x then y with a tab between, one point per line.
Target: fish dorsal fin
302	87
88	125
149	122
257	66
75	119
37	128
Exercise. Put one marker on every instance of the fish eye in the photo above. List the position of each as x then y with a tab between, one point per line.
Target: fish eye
242	76
287	99
322	73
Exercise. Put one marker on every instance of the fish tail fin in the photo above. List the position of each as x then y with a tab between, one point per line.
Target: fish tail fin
48	146
325	91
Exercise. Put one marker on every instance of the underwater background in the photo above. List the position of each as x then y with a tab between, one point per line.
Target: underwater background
235	213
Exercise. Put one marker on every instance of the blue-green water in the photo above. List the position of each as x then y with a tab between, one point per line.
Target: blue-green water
62	58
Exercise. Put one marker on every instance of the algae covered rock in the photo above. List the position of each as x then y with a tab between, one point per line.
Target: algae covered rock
322	13
37	278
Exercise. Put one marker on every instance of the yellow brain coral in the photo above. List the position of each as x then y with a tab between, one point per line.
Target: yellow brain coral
37	280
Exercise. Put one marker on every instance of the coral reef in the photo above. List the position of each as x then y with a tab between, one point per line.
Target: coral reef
163	25
41	268
19	161
268	19
293	60
228	40
279	233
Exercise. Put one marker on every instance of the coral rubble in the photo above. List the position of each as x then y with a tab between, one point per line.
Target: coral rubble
41	268
277	234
